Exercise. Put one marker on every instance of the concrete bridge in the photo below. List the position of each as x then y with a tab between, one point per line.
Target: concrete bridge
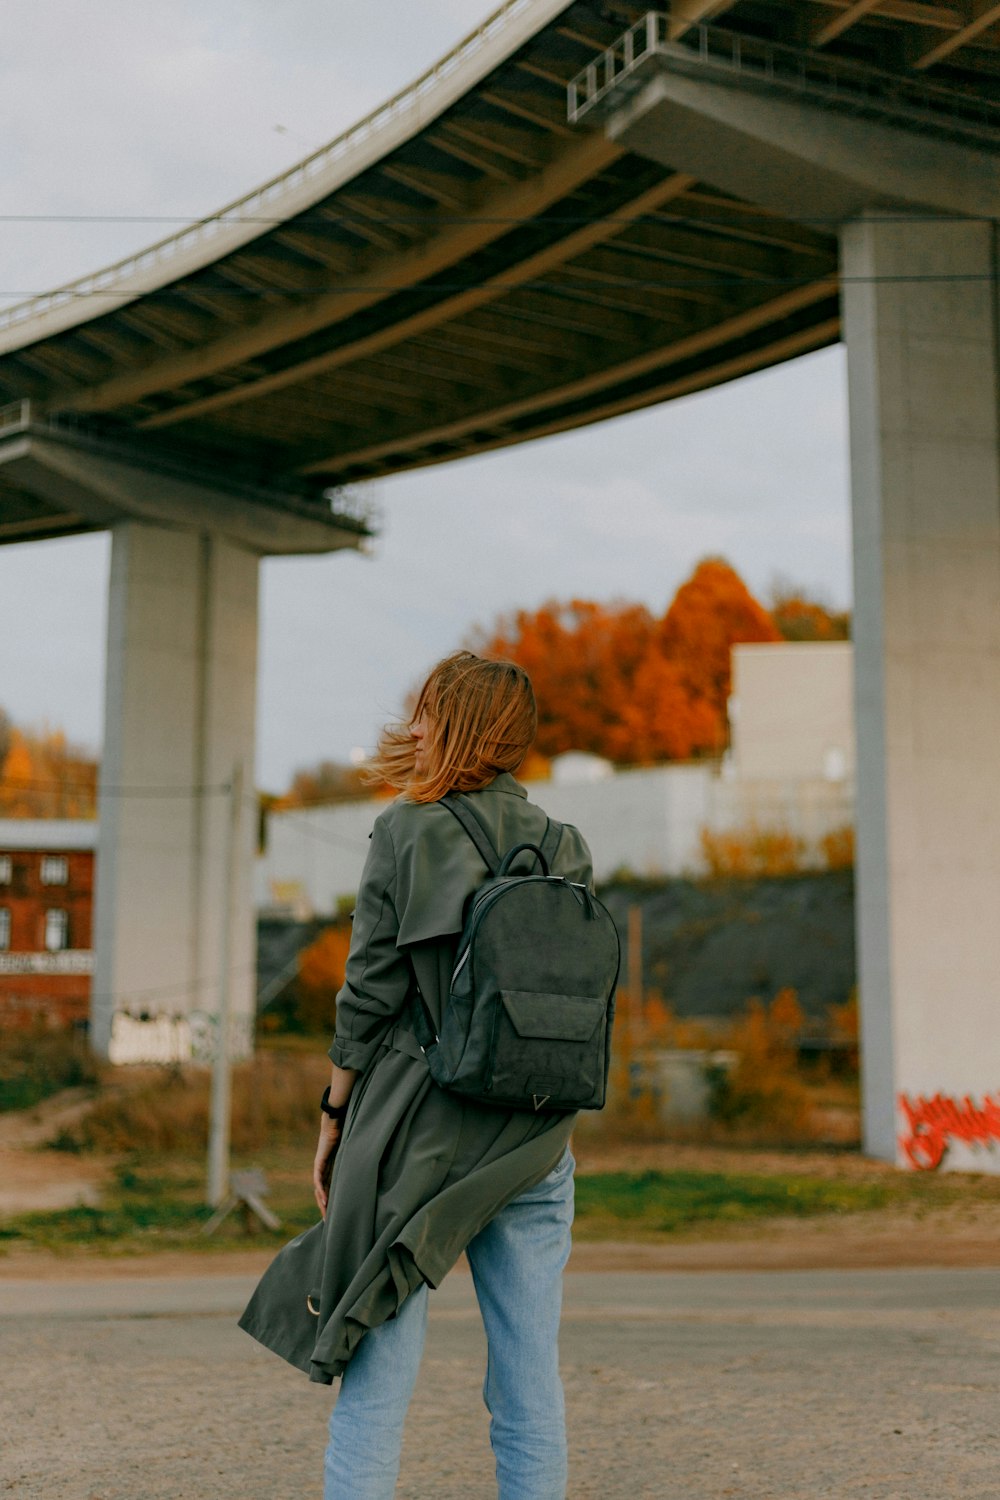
579	211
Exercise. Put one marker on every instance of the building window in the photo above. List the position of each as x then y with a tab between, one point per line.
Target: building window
6	869
55	869
56	930
4	928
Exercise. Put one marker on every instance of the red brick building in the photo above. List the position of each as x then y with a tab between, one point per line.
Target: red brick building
46	904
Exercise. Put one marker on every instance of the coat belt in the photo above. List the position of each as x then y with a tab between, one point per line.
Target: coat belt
401	1039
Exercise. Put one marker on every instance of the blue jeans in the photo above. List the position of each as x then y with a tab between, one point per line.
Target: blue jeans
517	1264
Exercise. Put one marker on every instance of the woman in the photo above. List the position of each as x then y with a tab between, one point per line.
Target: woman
406	1175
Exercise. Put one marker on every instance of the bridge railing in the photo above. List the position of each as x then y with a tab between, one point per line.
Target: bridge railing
15	416
836	82
253	207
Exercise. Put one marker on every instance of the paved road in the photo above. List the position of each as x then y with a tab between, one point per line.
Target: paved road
793	1385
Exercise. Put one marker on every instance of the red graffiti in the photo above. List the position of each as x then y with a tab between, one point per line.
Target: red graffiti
934	1123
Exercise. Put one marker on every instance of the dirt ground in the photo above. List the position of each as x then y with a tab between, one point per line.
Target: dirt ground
861	1365
943	1241
816	1385
31	1179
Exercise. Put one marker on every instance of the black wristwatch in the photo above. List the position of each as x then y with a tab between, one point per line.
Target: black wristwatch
329	1110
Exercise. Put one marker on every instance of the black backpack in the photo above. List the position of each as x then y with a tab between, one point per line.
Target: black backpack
527	1021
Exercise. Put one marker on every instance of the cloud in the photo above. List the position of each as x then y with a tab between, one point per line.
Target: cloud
135	108
139	109
53	613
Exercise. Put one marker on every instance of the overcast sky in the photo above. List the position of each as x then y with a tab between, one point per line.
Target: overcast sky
130	107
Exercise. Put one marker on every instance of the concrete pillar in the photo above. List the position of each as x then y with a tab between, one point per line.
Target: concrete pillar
181	681
925	464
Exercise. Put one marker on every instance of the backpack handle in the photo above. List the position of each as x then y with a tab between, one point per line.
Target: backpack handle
512	854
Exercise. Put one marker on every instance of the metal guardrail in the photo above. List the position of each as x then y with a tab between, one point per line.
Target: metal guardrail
268	196
836	82
646	39
18	416
15	417
355	507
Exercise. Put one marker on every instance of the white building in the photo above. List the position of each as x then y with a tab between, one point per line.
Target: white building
792	711
789	770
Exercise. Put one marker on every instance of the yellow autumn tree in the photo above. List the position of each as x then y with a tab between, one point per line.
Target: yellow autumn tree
42	775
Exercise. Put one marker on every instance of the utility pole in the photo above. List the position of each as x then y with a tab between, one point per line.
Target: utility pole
634	971
219	1117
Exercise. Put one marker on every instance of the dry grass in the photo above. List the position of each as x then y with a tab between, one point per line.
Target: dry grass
40	1062
838	848
165	1110
765	1099
752	851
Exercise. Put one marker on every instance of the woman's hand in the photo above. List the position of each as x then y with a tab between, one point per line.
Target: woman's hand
342	1081
326	1150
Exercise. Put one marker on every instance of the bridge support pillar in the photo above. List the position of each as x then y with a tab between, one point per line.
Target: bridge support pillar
179	715
920	319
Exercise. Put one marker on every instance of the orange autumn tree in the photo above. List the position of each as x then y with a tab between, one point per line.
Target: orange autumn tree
314	786
614	680
602	681
710	613
320	976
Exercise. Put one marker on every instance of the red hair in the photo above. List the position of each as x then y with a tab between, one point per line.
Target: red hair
481	719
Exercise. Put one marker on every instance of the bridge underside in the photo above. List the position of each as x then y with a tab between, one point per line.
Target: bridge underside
494	271
500	275
625	284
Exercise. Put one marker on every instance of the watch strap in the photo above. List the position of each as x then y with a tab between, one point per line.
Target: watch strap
333	1112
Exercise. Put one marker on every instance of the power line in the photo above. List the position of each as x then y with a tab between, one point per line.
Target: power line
663	283
324	838
90	788
254	799
185	987
251	799
437	220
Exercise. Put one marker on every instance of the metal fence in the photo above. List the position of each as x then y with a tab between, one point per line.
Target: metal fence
835	82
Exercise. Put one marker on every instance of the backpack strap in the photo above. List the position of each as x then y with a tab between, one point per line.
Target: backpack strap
550	843
459	808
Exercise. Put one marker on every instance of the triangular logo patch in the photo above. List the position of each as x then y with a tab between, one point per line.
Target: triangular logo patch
539	1099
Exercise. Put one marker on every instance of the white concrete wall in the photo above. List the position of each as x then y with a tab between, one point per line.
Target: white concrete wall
180	699
808	809
48	833
646	821
320	851
792	711
921	325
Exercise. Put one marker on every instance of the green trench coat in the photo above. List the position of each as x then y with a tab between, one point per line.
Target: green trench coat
418	1171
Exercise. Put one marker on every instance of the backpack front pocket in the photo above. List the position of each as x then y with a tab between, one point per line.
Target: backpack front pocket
548	1049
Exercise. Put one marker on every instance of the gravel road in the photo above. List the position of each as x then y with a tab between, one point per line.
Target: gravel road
808	1385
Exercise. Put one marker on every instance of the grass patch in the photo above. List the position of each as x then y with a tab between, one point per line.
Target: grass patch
653	1205
664	1203
159	1204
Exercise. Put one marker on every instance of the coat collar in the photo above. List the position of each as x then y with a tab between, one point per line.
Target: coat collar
437	866
504	783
